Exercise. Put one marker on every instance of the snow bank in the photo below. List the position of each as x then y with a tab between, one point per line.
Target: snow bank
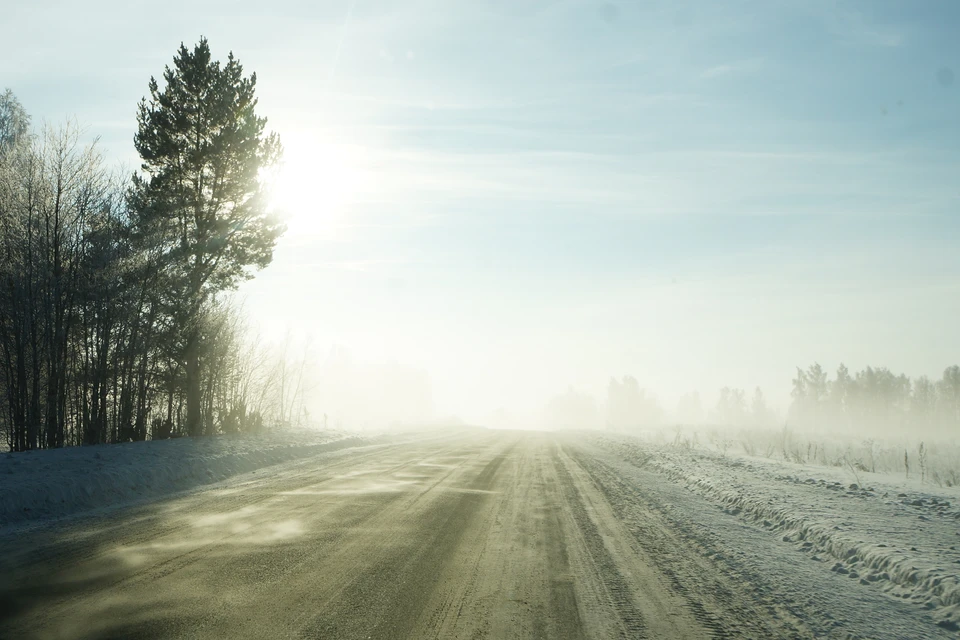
901	539
53	483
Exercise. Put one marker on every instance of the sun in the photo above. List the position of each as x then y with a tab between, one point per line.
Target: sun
314	186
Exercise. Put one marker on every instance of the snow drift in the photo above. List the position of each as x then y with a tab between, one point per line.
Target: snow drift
890	533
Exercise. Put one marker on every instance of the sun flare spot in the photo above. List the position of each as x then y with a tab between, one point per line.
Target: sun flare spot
315	185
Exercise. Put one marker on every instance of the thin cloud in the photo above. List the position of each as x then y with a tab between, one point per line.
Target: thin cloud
853	28
731	68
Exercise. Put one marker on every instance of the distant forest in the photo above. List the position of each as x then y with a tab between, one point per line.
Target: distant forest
114	324
876	401
873	402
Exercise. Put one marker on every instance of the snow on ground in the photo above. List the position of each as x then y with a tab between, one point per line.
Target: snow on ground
59	482
890	534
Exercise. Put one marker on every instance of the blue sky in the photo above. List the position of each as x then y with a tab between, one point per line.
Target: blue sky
518	196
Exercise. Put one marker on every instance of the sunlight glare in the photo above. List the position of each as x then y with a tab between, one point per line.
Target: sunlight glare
315	185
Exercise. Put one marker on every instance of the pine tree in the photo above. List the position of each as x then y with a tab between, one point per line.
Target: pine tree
200	196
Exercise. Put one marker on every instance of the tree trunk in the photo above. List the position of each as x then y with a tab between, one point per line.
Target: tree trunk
194	419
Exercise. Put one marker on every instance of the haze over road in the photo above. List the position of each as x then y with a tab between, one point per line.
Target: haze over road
481	534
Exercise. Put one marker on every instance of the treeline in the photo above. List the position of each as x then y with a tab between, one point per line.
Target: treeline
628	407
875	400
113	321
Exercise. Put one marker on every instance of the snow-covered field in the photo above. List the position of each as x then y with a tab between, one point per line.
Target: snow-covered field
59	482
880	531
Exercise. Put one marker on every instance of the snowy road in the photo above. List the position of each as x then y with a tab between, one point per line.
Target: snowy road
478	535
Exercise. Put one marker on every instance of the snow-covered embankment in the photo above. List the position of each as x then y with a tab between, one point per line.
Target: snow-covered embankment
53	483
880	531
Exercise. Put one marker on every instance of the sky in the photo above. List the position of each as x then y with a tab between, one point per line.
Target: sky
515	197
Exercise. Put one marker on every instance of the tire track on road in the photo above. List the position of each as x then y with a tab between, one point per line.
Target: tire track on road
715	600
618	591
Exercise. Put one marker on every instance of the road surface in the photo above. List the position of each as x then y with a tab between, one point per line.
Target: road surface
477	535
